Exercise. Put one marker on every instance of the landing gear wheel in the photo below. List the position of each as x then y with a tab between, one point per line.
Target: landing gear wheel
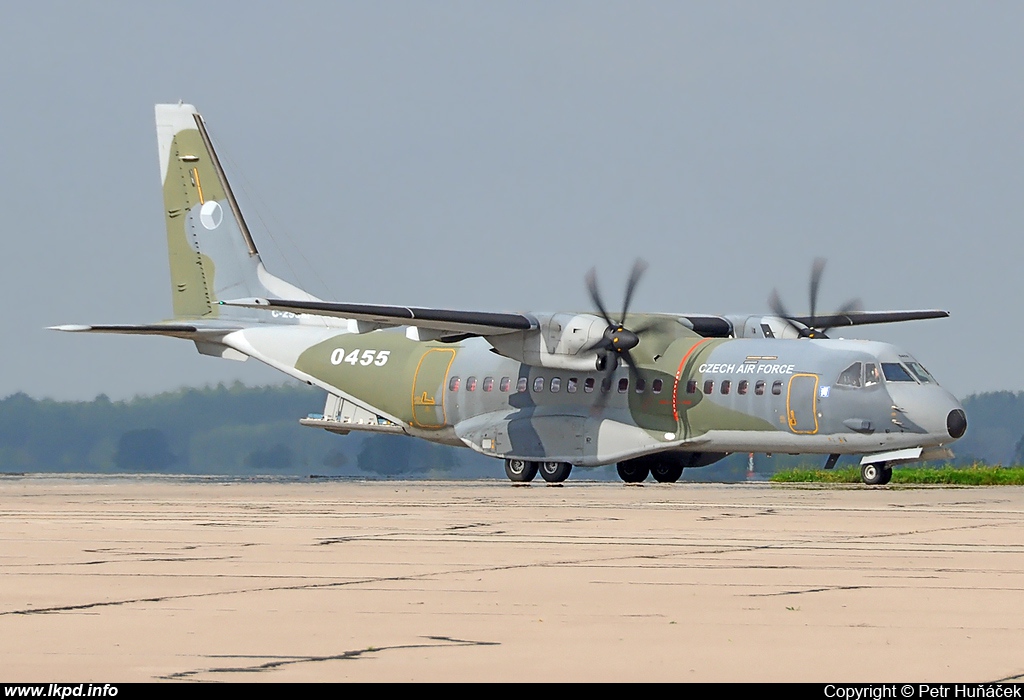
886	476
666	473
873	474
555	472
631	473
519	470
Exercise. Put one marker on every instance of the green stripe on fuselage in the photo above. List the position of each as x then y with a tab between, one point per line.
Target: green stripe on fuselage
387	386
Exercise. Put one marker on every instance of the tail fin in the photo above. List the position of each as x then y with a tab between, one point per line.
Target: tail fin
212	254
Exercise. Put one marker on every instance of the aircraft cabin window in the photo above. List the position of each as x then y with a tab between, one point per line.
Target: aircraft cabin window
726	386
759	387
588	385
572	385
521	385
538	384
709	386
691	386
871	376
850	376
556	385
488	383
895	372
470	383
657	385
606	385
776	388
741	389
623	385
641	384
505	384
453	385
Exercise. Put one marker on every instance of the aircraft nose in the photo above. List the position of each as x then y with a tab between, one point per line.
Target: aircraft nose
956	423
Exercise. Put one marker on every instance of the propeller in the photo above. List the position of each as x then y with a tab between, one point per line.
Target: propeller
617	341
811	329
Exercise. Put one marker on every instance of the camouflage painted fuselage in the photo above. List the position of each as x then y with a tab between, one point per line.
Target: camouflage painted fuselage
700	394
527	386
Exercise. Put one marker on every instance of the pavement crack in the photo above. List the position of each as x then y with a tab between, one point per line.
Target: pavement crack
280	661
808	590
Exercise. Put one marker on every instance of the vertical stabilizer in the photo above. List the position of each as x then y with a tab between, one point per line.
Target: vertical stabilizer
212	254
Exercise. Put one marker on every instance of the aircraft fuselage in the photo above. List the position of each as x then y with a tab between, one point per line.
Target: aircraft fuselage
699	394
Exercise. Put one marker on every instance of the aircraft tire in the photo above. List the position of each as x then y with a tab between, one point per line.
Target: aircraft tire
519	470
631	472
886	476
872	474
555	472
667	473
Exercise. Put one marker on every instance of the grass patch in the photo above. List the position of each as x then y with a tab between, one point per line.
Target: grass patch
976	475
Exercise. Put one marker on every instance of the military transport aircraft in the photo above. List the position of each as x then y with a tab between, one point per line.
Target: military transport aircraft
654	393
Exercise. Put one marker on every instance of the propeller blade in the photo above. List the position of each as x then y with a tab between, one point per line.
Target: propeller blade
644	327
817	269
775	304
851	305
639	267
808	326
617	341
611	364
595	296
634	369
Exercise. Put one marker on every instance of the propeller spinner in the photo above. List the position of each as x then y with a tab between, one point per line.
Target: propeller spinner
811	329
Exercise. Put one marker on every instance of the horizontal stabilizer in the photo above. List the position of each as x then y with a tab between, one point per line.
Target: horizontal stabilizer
172	329
481	323
211	331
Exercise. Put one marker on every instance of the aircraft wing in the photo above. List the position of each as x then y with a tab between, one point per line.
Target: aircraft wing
863	318
444	320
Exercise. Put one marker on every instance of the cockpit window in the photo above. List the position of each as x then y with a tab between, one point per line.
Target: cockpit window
871	375
920	372
895	372
850	376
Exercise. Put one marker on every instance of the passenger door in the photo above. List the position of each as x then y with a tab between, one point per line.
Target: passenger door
801	404
428	388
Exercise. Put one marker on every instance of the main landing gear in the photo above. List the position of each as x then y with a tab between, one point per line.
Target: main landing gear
521	471
635	471
632	472
878	474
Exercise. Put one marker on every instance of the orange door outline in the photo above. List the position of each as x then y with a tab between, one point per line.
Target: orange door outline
791	416
425	403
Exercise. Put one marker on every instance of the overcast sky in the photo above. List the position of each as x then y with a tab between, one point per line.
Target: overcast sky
486	155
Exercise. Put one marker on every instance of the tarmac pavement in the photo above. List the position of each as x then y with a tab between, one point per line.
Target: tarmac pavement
138	579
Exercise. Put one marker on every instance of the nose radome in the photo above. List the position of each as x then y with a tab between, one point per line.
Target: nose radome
956	423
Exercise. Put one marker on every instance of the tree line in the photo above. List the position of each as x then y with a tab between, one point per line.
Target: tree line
239	429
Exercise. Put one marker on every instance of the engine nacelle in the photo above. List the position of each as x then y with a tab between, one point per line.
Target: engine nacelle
762	327
560	341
